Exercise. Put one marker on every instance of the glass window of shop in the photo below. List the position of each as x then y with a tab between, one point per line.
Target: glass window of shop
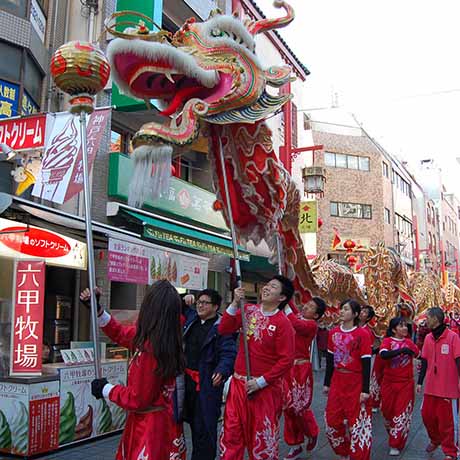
16	7
10	63
32	78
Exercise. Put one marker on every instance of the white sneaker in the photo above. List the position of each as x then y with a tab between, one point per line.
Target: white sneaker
394	452
294	453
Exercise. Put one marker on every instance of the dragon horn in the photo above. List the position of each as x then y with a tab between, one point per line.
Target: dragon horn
269	24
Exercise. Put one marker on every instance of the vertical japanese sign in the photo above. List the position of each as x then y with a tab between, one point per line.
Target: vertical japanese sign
9	99
308	217
61	173
27	318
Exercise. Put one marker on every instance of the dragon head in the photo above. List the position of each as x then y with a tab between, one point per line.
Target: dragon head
205	71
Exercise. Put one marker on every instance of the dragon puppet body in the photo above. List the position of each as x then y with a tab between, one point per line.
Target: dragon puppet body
209	79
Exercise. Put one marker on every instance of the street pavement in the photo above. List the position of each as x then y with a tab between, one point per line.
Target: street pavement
105	448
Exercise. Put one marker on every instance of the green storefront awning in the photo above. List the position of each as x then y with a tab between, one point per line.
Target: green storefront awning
174	233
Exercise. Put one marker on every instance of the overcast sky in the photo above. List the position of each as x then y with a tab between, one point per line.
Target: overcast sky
395	64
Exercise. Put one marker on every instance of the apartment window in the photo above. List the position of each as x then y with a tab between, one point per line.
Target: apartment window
340	160
307	124
351	210
400	183
352	162
385	169
364	163
387	216
294	132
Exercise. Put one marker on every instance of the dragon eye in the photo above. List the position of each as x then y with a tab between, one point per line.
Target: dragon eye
217	33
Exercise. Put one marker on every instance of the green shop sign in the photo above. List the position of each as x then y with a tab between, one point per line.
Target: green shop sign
199	245
183	199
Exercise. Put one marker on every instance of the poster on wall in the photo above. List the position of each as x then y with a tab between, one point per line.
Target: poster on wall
14	418
29	417
81	415
27	318
61	173
308	217
139	264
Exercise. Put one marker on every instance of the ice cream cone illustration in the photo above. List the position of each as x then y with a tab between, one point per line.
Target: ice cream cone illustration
26	183
68	420
5	433
20	430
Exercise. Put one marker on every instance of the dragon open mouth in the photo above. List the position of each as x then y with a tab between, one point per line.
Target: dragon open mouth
166	73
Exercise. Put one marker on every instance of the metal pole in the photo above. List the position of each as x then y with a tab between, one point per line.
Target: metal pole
237	260
89	241
280	255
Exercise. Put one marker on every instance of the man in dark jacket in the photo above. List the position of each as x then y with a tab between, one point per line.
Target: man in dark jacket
209	358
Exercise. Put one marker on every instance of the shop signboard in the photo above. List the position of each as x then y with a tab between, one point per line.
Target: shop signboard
38	20
21	241
61	172
308	217
140	264
9	99
24	133
81	415
28	105
27	318
182	198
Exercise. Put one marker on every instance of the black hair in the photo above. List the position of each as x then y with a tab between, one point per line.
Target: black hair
394	323
321	306
159	329
370	312
287	289
355	308
436	312
215	297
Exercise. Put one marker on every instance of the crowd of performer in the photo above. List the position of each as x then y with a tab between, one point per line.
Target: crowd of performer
183	354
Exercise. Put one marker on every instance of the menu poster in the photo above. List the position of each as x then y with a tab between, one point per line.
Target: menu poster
43	417
14	418
81	415
139	264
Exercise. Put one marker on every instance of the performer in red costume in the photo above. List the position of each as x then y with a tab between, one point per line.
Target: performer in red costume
398	386
151	374
347	384
365	319
253	408
299	420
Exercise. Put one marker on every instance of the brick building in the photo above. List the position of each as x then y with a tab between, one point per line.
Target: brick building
357	193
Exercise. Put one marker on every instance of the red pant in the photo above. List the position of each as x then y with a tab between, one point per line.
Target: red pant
376	381
299	420
397	406
348	422
251	423
179	448
440	417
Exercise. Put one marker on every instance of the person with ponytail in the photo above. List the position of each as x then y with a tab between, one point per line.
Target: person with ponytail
398	385
156	341
346	382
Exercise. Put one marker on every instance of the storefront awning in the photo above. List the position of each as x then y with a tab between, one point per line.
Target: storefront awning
174	233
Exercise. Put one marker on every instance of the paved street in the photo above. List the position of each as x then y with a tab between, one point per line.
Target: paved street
105	449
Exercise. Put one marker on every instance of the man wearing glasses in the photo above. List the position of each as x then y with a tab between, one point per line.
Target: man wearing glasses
209	357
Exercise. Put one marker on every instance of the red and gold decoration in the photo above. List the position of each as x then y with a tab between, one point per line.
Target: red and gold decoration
81	70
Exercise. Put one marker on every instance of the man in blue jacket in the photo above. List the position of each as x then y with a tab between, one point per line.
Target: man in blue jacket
209	358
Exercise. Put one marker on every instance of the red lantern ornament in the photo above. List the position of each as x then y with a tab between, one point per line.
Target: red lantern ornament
352	260
320	222
349	245
81	70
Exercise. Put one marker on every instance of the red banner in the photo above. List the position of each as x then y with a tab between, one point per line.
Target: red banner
24	133
61	173
27	321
